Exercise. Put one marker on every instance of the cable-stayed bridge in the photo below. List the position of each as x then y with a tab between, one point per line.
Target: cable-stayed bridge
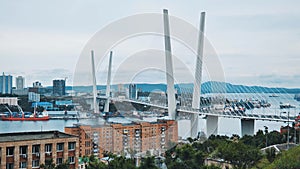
192	112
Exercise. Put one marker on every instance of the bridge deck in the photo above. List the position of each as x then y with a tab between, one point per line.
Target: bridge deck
218	113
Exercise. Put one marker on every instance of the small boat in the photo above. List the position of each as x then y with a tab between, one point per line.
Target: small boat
273	95
46	118
286	106
34	117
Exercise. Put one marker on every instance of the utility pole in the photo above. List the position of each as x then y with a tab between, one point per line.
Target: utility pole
266	132
295	137
299	136
288	135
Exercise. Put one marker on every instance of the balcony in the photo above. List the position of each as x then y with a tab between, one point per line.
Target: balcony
10	152
23	156
48	154
35	155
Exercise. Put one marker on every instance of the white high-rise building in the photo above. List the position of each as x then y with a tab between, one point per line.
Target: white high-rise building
20	82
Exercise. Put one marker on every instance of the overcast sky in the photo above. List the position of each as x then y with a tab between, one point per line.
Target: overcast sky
257	42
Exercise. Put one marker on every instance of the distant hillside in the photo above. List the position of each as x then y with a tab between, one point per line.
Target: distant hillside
207	87
212	87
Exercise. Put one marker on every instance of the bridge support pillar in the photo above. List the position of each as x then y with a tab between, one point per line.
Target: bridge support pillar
211	125
247	126
194	125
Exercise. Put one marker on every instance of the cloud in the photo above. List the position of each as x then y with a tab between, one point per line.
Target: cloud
46	76
252	38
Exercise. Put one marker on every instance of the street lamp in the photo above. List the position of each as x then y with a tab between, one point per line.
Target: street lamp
266	132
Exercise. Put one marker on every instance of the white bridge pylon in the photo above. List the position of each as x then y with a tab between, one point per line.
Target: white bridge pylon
197	79
107	94
169	68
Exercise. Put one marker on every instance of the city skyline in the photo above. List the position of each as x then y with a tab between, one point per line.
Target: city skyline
47	44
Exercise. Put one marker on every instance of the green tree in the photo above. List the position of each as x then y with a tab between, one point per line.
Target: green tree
287	160
211	167
185	156
64	165
271	154
48	164
239	154
94	163
275	137
148	163
121	162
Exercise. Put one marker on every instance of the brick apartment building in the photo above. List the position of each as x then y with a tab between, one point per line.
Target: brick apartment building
31	149
137	137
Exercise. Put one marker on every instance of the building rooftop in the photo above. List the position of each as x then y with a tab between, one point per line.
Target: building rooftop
280	147
27	136
109	124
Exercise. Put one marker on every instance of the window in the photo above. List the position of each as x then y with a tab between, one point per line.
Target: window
87	136
23	150
95	134
10	151
35	163
87	151
87	144
9	165
48	148
71	145
71	160
23	165
60	147
59	161
36	149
